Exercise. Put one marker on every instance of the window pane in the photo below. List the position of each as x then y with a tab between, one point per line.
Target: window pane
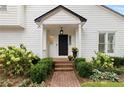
101	47
110	48
3	7
110	38
69	40
102	38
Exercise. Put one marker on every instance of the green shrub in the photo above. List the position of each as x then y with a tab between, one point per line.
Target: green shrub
29	83
78	60
84	69
38	73
103	84
48	62
103	62
41	70
98	76
17	60
118	61
119	70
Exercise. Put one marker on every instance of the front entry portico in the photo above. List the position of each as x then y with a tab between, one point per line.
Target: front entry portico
58	45
54	44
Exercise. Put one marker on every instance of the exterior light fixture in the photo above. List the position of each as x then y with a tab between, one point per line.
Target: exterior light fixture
61	31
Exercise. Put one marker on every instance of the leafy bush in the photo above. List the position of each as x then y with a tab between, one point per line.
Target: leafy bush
78	60
29	83
103	62
17	60
40	71
48	62
119	70
118	61
84	69
6	83
98	76
103	84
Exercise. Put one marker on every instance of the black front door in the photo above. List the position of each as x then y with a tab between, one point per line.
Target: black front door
63	45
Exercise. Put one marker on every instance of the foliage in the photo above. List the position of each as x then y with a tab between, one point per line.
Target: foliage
74	49
48	62
78	60
103	84
119	70
29	83
70	57
83	68
98	76
103	62
40	71
6	83
118	61
17	60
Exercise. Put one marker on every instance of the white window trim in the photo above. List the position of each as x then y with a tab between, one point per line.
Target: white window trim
106	41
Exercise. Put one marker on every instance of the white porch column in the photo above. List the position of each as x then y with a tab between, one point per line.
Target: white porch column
79	38
44	43
41	40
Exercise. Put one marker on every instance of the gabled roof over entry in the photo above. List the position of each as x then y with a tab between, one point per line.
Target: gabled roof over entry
82	19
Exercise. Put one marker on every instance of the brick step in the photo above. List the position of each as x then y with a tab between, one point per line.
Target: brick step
64	62
60	59
64	69
63	65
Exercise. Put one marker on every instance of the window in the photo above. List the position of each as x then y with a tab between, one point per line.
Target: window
69	40
106	42
3	7
102	42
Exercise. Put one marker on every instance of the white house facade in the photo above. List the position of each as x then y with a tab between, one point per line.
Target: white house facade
51	31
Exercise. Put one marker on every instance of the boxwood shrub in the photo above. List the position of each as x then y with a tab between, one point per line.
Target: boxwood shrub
78	60
38	73
118	61
41	70
83	68
48	62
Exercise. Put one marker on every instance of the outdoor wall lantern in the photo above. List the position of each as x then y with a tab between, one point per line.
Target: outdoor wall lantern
61	31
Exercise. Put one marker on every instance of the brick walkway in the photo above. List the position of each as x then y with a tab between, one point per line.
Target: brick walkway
64	79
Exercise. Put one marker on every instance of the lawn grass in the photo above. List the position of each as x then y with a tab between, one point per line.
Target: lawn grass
102	84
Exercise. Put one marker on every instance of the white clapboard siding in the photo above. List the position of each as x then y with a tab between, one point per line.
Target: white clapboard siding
59	18
14	16
98	19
